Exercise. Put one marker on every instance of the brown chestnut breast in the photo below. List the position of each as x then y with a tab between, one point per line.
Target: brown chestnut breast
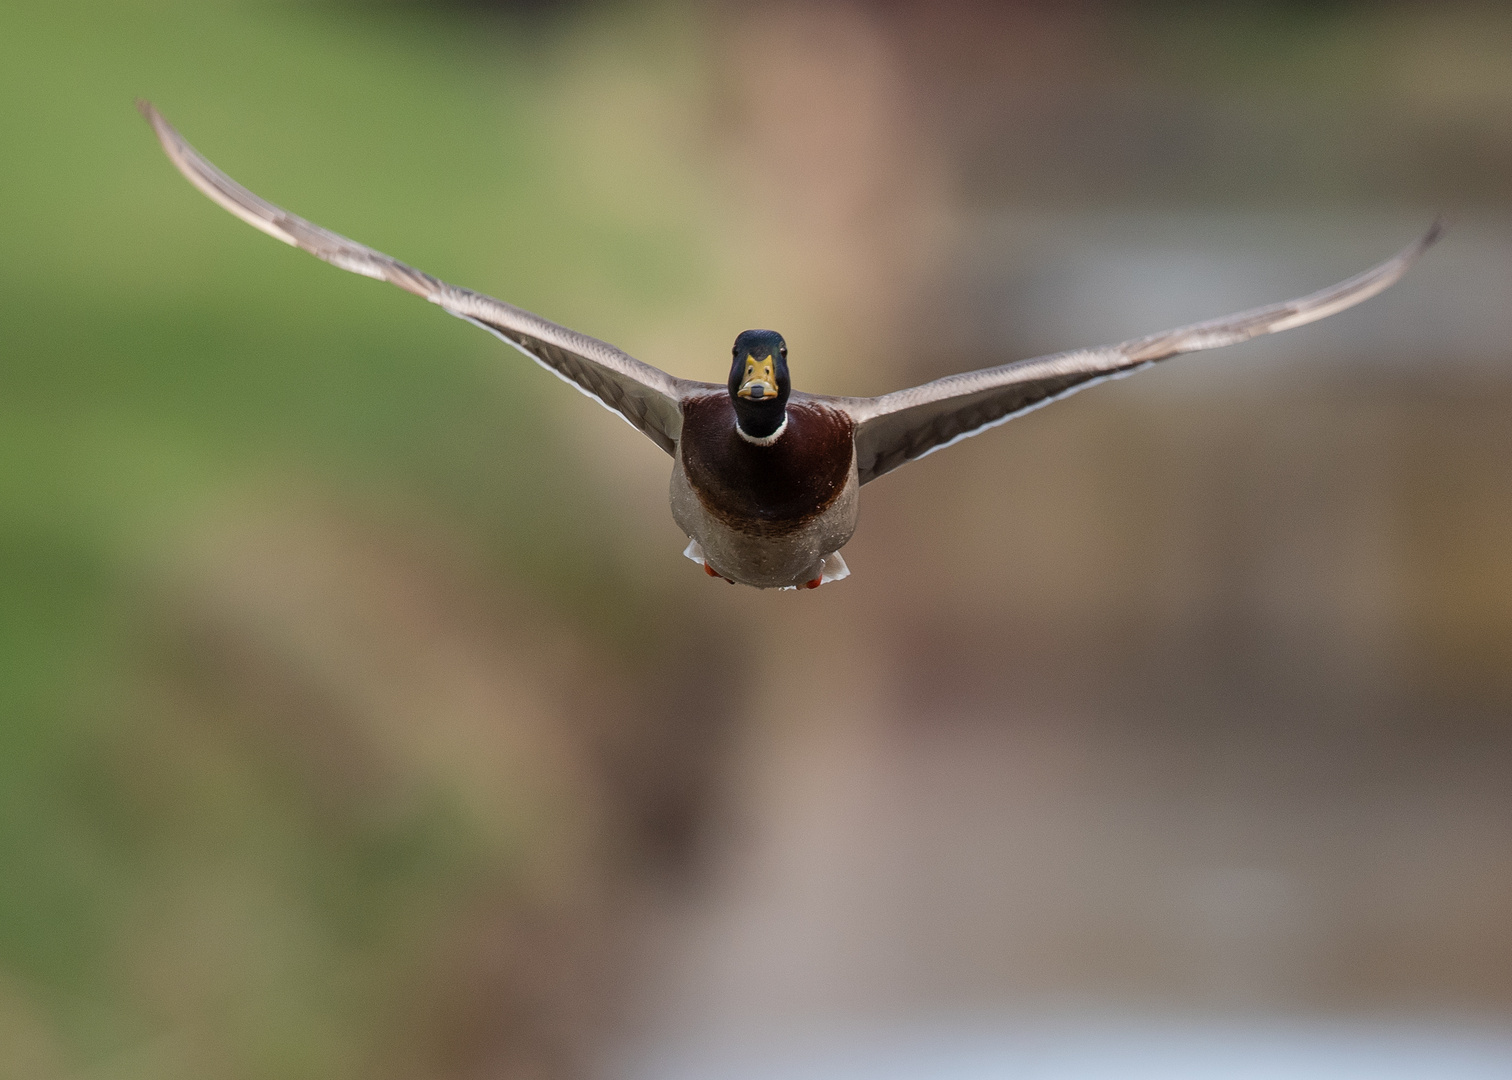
766	490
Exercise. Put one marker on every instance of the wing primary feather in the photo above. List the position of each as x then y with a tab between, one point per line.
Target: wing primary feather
1289	314
910	424
645	397
278	223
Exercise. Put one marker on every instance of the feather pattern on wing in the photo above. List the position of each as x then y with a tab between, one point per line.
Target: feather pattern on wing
647	397
909	424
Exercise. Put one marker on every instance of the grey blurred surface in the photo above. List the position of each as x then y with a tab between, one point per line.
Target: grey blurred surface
1090	1048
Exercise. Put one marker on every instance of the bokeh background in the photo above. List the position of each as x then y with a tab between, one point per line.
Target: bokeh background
360	718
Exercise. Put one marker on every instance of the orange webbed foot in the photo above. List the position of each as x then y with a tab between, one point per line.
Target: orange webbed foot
818	581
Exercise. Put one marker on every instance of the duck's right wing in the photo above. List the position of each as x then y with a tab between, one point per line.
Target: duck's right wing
908	424
646	397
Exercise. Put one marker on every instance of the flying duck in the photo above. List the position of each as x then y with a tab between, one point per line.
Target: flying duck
766	479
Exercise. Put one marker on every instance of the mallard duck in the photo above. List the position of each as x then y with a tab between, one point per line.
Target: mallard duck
766	479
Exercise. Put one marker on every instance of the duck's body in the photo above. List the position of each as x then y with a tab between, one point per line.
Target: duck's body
765	481
766	515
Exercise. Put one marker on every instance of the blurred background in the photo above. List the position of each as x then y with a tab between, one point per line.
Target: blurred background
359	716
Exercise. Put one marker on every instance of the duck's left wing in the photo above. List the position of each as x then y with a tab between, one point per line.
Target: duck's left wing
909	424
647	397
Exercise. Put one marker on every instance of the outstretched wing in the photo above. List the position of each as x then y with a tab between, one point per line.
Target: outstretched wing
643	395
909	424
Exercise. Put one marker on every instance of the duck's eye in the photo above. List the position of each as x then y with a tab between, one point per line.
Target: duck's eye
783	351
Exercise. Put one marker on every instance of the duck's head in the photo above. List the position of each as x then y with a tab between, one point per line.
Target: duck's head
759	384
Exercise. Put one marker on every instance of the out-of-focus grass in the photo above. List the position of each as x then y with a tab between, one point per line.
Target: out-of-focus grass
169	903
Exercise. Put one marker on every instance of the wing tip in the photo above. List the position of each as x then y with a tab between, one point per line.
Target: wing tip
1435	231
166	134
150	114
1399	264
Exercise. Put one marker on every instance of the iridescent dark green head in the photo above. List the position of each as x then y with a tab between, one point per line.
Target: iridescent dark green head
759	385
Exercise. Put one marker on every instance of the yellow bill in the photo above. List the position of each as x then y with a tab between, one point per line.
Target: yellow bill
760	379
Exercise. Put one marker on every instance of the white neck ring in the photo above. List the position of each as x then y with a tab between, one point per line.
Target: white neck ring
766	440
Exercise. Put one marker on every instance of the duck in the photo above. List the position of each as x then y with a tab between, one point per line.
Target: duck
766	479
